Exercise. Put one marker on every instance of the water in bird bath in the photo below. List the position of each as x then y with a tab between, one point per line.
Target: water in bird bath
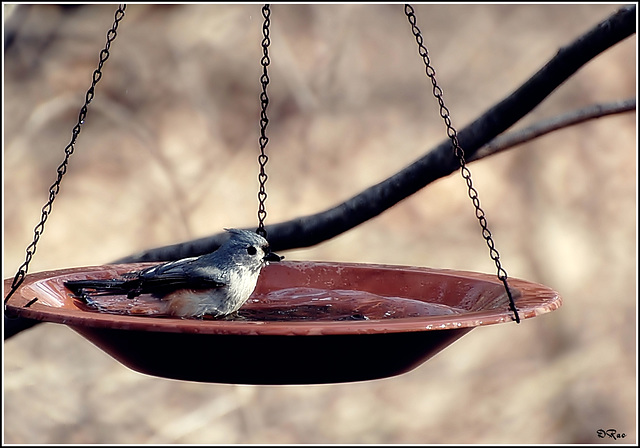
291	304
316	304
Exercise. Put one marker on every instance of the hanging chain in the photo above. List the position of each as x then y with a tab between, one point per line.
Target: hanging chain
459	153
264	121
68	151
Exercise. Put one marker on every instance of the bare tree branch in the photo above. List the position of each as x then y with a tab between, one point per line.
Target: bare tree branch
439	162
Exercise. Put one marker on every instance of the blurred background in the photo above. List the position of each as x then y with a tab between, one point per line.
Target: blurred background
168	153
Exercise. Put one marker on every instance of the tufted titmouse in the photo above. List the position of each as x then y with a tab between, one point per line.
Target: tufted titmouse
215	284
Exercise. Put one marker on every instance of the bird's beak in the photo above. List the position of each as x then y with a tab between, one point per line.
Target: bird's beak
272	256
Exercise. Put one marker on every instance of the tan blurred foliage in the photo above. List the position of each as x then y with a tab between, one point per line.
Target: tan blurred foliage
168	153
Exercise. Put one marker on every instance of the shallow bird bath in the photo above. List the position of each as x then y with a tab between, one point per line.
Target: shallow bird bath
306	322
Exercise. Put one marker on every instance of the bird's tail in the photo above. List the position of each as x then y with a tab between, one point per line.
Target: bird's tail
84	289
116	296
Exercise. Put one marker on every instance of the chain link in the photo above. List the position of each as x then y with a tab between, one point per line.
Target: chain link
459	153
68	151
264	121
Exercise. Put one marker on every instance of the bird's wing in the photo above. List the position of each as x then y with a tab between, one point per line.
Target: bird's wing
168	277
158	280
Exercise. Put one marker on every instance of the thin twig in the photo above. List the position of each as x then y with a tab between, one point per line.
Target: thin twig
507	141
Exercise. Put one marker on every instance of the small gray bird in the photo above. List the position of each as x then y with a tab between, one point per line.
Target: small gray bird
215	284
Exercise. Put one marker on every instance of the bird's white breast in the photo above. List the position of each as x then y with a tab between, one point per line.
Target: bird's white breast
216	301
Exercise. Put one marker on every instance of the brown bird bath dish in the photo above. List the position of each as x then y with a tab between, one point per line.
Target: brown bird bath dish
306	322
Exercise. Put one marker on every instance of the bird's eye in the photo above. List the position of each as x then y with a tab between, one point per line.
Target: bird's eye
251	250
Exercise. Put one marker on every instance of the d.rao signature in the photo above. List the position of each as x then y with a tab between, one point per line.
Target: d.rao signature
612	433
